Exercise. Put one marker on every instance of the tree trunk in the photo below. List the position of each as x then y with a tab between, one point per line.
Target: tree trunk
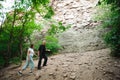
11	35
21	37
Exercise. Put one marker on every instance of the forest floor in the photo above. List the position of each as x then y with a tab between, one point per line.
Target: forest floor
92	65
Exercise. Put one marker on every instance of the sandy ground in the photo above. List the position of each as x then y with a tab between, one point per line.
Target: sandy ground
93	65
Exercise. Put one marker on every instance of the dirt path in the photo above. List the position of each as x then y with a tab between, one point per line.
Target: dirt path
93	65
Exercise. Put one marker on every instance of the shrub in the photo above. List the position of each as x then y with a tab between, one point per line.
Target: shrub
15	60
24	56
2	61
52	44
110	20
50	13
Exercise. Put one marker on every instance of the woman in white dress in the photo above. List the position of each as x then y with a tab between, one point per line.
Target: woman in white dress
29	60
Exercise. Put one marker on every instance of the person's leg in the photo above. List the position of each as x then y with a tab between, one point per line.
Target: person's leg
45	60
26	64
39	62
31	64
24	67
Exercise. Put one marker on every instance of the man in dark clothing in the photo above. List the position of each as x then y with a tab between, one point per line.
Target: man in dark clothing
42	54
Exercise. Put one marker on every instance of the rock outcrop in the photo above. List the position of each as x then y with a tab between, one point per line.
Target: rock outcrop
84	35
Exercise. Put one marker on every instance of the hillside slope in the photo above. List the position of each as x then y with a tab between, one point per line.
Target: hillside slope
85	33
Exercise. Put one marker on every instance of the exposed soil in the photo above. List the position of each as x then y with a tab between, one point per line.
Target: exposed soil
93	65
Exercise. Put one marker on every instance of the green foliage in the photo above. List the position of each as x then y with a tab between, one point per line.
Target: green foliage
15	60
52	44
37	2
2	61
24	56
116	2
57	28
52	37
20	24
110	20
16	35
18	27
50	13
37	44
44	2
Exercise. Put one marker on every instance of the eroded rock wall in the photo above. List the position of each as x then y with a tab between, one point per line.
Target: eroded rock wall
84	34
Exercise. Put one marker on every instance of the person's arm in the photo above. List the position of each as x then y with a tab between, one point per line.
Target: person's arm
39	50
35	54
38	53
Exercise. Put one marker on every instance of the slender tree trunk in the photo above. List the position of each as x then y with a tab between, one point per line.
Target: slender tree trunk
11	35
21	37
21	52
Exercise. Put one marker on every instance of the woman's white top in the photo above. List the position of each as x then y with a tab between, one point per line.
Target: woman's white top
31	51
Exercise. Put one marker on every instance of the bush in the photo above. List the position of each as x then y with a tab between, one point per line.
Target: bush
2	61
50	13
112	39
24	56
15	60
111	21
52	44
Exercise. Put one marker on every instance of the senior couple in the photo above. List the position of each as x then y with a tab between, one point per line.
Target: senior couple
29	58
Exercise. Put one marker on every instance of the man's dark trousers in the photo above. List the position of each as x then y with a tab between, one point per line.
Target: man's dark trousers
40	61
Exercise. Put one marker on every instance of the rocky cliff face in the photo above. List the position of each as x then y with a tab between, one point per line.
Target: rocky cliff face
84	35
